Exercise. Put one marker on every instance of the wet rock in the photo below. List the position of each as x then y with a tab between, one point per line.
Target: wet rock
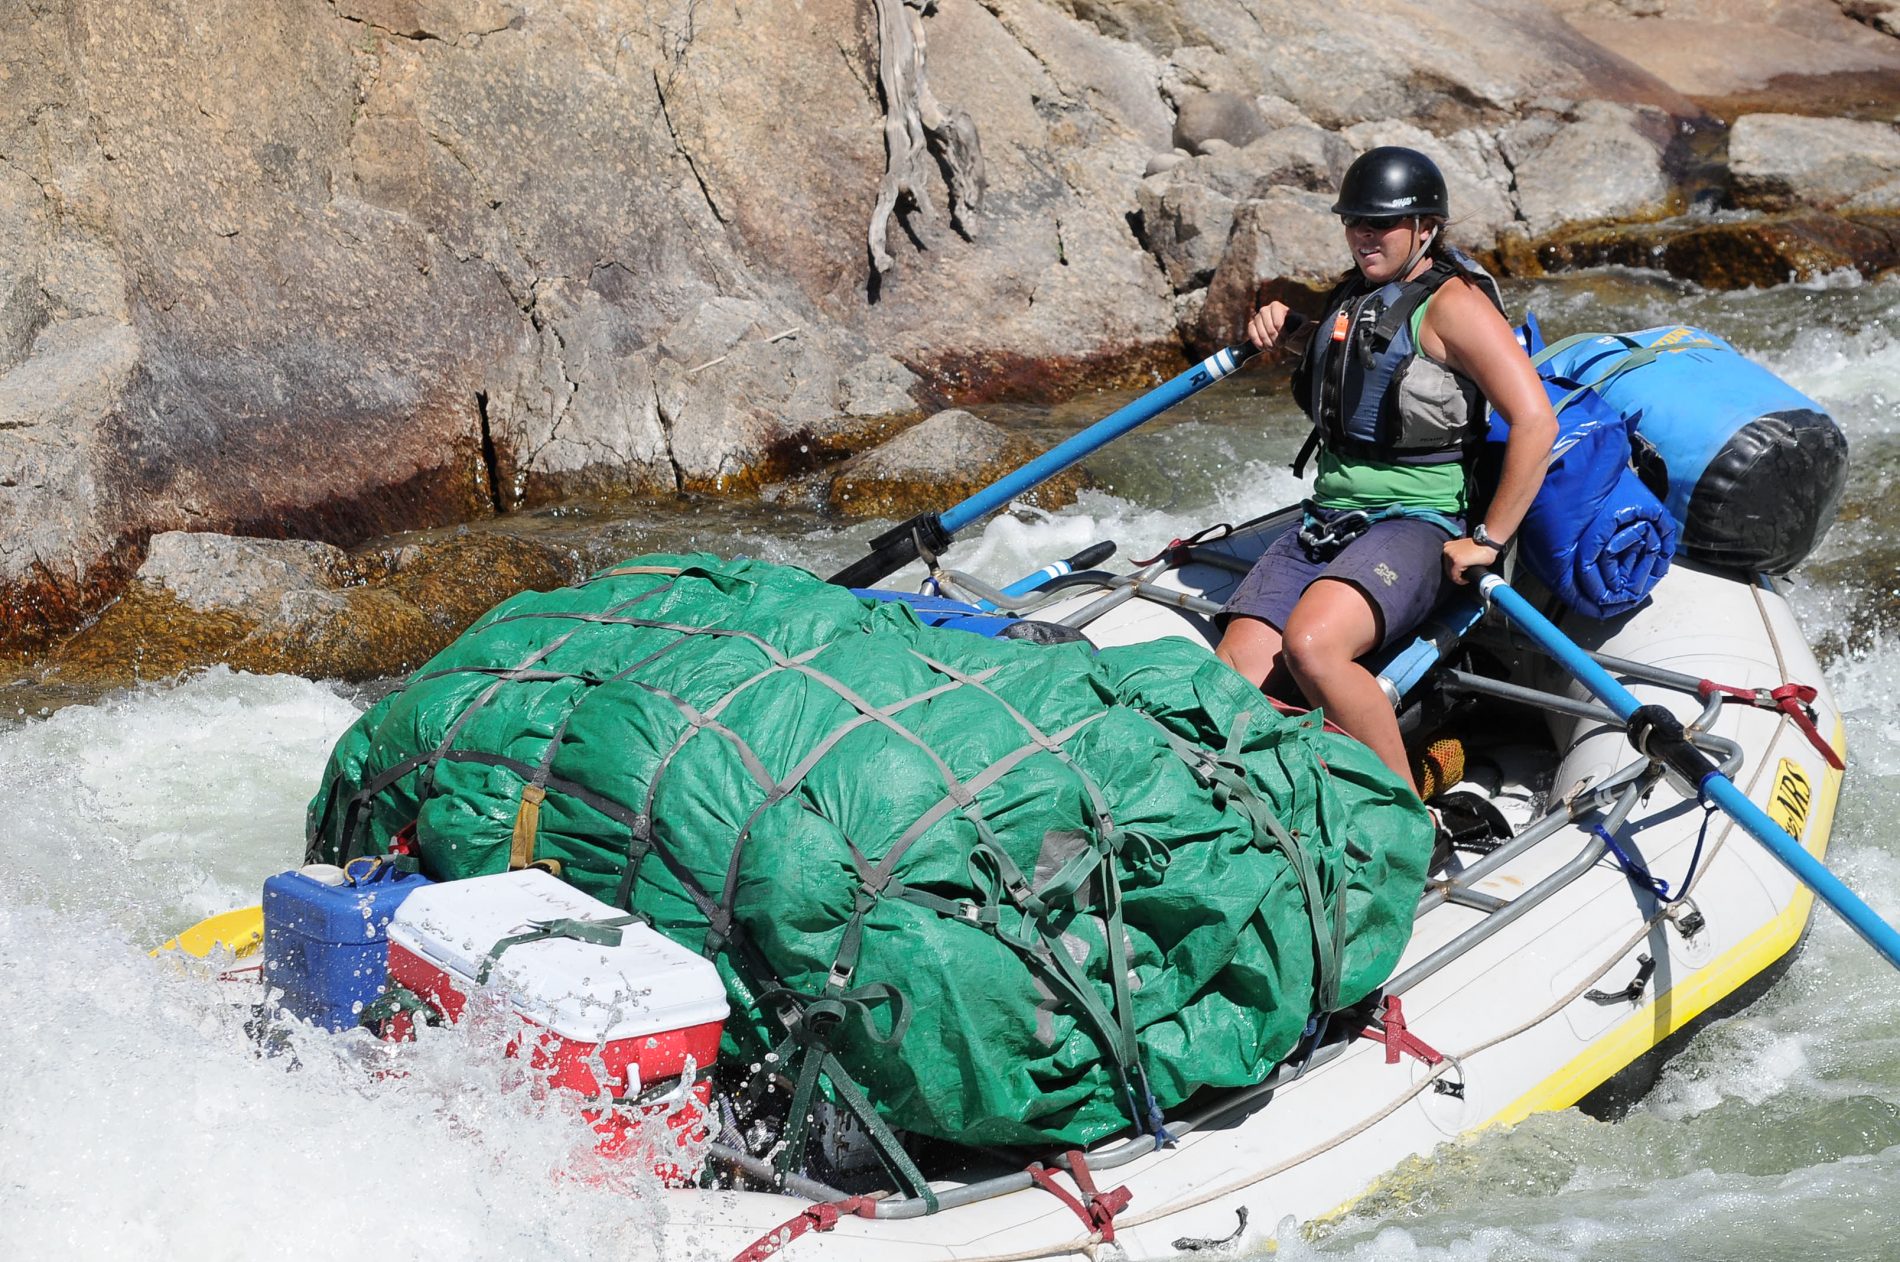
307	608
1781	160
1596	161
1739	252
272	582
941	460
1227	116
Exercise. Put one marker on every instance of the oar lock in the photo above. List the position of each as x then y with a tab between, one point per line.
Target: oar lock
1659	735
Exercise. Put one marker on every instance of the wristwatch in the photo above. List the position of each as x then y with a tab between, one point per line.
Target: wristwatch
1482	537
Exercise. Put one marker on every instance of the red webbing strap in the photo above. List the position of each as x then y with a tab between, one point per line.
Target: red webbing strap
1392	1032
1097	1210
1792	700
820	1217
1177	549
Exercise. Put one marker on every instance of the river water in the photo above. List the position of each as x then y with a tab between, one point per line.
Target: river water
136	1120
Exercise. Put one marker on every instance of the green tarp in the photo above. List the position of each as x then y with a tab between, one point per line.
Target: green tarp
1017	887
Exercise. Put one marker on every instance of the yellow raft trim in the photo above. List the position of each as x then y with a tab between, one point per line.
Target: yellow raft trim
240	930
1689	998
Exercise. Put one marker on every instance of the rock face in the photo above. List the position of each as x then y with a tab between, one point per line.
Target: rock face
330	268
1781	160
1595	161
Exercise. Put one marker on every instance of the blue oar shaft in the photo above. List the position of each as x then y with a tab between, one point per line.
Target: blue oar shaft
1164	396
932	532
1717	787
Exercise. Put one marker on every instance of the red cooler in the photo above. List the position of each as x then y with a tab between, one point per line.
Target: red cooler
625	999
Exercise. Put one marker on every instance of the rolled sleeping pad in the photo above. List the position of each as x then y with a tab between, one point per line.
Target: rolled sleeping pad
1754	469
1595	535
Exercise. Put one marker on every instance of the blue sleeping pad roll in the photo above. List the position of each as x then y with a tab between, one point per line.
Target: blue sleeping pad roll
1754	468
1595	535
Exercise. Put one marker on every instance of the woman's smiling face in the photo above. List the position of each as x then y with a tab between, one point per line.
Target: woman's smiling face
1381	246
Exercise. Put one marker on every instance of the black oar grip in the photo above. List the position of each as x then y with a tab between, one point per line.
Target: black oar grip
894	549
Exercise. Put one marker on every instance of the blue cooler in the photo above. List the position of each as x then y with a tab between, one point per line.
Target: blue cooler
325	945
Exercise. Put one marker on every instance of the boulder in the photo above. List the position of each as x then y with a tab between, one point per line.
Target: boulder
1780	161
1596	160
1186	213
271	582
1184	223
1287	238
1227	116
943	459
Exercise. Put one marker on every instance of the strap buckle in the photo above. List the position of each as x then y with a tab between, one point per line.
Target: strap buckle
1392	1032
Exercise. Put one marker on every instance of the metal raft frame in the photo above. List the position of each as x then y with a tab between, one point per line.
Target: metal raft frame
1612	801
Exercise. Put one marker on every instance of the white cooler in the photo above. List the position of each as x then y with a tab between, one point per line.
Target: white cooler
639	1011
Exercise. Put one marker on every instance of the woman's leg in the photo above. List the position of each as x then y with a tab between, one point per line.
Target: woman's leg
1333	624
1251	646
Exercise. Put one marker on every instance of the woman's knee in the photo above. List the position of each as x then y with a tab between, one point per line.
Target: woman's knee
1329	630
1312	654
1249	646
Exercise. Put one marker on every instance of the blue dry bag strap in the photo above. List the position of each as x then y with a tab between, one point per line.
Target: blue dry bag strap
1635	355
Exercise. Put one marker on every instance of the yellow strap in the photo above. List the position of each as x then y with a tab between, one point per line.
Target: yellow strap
643	569
527	821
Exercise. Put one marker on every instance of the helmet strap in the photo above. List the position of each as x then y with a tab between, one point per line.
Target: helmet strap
1425	239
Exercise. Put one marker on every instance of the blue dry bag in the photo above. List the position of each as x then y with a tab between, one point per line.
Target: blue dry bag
1754	468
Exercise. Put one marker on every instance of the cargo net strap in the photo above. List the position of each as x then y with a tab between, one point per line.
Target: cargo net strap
1087	879
1227	778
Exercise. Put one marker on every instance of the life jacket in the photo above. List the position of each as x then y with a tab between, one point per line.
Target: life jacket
1369	392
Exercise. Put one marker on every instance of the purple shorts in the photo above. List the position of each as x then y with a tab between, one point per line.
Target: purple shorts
1397	565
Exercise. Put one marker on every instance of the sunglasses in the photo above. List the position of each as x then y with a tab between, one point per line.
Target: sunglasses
1378	223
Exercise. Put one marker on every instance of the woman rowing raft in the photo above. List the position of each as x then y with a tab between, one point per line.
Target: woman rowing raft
1395	376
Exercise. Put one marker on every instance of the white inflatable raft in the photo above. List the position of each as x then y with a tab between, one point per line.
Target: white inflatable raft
1541	975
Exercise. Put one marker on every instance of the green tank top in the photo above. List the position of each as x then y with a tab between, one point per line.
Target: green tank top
1345	483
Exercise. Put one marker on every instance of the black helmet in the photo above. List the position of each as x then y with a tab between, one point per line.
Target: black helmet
1392	181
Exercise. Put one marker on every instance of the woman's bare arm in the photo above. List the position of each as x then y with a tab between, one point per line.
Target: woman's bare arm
1462	329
